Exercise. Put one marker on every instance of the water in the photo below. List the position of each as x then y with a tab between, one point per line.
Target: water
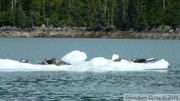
63	85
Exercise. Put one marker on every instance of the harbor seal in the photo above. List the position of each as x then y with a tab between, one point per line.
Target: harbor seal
141	60
54	61
44	62
117	60
23	61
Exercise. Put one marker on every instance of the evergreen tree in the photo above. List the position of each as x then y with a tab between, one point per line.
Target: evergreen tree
9	18
54	19
21	18
121	14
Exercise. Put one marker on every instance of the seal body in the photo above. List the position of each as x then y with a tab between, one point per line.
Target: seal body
140	60
23	61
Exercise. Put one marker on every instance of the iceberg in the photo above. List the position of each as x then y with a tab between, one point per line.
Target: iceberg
98	61
75	57
78	62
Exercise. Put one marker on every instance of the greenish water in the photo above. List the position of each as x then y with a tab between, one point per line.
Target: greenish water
50	86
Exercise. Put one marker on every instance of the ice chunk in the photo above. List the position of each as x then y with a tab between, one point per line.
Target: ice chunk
115	56
98	64
77	60
75	57
98	61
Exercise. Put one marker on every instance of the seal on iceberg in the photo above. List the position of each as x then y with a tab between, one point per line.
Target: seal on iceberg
51	61
141	60
23	61
54	61
44	62
117	60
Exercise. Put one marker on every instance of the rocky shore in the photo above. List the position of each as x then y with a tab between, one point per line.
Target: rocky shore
161	32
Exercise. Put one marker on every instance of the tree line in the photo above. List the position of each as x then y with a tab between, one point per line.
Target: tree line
118	14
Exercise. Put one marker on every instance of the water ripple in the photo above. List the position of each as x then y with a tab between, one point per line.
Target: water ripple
29	86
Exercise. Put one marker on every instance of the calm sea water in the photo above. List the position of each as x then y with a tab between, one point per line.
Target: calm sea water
50	86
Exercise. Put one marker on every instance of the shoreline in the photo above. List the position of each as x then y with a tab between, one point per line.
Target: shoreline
86	32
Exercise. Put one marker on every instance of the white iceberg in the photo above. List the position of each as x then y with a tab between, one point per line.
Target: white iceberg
75	57
98	62
115	56
77	60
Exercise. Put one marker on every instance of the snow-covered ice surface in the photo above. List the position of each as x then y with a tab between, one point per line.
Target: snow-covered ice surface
75	57
78	62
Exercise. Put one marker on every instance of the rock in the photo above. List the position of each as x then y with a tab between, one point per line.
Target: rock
163	28
172	30
164	32
43	26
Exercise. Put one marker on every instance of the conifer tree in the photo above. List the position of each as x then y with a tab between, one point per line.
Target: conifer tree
21	19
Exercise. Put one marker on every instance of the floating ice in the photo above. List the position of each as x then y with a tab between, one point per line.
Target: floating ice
75	57
98	61
115	56
77	60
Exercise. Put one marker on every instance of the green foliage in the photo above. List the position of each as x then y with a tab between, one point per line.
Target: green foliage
9	18
54	19
1	19
121	14
21	18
